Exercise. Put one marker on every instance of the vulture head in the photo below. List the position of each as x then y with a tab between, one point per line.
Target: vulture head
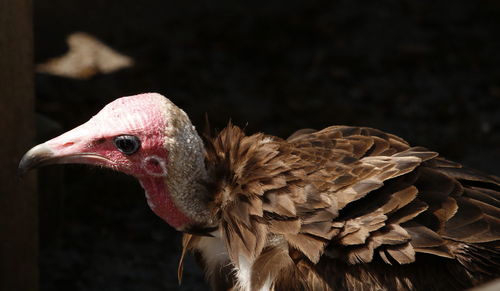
145	136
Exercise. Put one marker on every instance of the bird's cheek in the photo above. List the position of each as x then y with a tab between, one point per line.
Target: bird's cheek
117	161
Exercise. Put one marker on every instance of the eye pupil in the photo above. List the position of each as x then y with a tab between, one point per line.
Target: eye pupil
127	144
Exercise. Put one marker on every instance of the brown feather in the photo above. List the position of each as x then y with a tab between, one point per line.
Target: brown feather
186	245
403	254
268	265
350	208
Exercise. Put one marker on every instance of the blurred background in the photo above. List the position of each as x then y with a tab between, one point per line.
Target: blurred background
428	71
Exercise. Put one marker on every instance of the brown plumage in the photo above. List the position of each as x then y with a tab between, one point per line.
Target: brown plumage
346	208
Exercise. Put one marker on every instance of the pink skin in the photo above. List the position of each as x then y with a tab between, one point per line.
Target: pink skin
92	143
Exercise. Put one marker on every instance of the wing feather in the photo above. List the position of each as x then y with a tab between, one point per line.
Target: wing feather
352	197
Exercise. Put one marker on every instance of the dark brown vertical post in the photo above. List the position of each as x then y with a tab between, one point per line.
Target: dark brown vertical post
18	200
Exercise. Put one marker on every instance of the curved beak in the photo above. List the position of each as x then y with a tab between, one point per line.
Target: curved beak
43	154
71	147
37	156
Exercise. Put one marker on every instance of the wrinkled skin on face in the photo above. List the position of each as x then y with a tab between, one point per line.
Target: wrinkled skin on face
94	141
136	135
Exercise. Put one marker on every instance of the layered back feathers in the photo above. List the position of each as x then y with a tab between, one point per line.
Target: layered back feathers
346	208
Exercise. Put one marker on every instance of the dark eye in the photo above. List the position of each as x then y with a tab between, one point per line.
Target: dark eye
127	144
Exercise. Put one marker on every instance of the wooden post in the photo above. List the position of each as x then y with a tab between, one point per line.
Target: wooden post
18	199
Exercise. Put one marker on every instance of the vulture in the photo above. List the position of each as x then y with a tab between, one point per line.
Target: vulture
343	208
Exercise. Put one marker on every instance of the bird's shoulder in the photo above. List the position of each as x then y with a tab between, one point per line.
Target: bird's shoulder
349	194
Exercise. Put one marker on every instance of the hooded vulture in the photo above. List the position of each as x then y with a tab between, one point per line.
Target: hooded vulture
343	208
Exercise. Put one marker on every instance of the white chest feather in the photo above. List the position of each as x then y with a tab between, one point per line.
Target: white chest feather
215	255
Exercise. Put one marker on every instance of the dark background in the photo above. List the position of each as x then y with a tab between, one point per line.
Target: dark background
428	71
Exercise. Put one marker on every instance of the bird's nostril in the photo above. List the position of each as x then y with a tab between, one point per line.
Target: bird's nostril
100	141
68	144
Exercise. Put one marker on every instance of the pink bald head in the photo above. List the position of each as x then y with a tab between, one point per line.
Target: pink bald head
140	116
136	135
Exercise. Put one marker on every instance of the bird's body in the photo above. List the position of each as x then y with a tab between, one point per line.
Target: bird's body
343	208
